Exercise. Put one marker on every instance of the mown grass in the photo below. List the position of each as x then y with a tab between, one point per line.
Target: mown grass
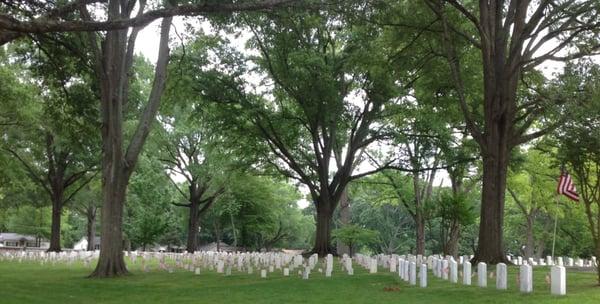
30	282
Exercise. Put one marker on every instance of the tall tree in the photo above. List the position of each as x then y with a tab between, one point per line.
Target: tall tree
513	37
49	144
113	53
191	146
113	62
579	141
306	119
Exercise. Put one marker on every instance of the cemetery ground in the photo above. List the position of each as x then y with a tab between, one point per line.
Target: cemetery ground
30	282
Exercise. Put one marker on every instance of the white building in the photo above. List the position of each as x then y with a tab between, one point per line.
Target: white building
83	243
15	240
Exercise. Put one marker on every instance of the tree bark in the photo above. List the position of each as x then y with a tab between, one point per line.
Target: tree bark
418	216
345	218
598	260
112	69
91	230
529	241
420	233
217	235
323	234
451	245
193	224
490	246
55	225
111	262
235	241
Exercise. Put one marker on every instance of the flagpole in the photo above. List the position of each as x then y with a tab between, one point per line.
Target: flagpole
555	225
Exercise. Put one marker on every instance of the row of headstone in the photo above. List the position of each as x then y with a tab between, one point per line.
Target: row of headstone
406	266
447	269
559	261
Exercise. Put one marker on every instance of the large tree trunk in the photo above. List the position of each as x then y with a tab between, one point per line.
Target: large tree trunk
55	225
345	218
490	246
111	262
193	224
91	231
113	64
529	240
323	234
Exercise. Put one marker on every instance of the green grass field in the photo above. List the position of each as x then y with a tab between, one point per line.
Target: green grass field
31	283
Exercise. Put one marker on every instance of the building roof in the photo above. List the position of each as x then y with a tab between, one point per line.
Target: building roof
11	236
213	247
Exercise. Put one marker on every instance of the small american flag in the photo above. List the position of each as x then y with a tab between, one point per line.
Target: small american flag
566	186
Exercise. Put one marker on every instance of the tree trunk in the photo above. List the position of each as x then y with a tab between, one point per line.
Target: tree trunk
111	262
345	218
193	224
235	241
420	233
91	231
529	241
490	246
323	233
598	260
541	246
451	246
418	215
55	225
217	236
113	65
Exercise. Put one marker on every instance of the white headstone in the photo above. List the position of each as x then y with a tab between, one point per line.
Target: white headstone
526	278
482	274
445	269
286	272
413	273
453	271
306	273
329	265
263	273
501	276
558	277
423	275
467	273
373	266
197	271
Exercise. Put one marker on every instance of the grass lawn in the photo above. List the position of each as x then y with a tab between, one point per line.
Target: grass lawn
29	282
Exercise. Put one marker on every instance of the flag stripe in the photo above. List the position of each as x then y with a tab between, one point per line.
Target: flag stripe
567	187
